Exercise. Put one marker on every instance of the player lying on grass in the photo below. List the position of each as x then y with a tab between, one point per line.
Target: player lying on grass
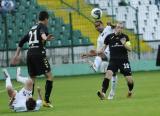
101	60
22	101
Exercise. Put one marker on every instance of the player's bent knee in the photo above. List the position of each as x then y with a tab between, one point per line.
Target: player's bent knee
10	91
129	79
109	74
33	78
49	76
9	88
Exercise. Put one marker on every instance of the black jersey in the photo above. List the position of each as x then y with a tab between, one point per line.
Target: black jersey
34	39
117	50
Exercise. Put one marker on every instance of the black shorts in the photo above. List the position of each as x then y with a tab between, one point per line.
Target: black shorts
37	65
122	64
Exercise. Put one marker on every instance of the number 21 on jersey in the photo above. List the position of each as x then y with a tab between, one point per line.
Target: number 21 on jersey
33	37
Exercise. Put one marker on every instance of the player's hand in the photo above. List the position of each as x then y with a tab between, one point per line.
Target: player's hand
84	56
15	60
123	41
93	52
50	37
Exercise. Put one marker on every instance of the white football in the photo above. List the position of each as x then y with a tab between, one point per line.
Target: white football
96	13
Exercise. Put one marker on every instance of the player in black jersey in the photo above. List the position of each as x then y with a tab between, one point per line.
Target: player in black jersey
37	62
119	45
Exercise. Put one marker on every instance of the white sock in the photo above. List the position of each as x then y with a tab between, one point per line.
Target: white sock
97	62
8	82
113	84
22	79
103	66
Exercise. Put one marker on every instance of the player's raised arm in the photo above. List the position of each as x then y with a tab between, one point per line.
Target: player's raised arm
15	59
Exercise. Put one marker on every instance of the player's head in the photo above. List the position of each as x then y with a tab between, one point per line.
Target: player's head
119	27
29	84
99	26
30	104
43	16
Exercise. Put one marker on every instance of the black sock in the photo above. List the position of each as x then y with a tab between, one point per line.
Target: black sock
48	89
130	86
33	89
105	85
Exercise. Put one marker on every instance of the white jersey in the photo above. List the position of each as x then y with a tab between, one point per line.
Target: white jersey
100	41
19	104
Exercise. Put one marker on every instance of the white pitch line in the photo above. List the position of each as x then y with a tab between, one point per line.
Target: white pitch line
1	91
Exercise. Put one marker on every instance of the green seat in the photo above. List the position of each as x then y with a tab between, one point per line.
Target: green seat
77	33
26	46
64	40
52	22
55	43
2	45
27	15
12	45
86	41
76	41
65	28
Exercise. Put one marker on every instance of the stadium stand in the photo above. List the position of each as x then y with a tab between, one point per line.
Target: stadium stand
26	16
79	22
83	24
84	33
148	16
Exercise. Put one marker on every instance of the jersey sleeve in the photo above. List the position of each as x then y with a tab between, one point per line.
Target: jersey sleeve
38	105
23	40
106	41
43	30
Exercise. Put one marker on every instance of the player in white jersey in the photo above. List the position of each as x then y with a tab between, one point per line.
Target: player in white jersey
101	60
22	101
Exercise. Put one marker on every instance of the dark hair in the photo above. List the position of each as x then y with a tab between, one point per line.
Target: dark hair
43	15
30	104
98	21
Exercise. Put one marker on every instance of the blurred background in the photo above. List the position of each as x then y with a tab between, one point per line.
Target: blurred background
72	26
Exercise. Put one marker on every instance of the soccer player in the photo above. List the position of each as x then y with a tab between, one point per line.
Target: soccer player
119	45
37	62
22	101
98	61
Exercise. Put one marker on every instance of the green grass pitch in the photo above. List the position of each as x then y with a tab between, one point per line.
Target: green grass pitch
77	97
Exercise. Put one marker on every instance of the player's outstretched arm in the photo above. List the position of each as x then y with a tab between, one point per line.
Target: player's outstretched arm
47	38
16	58
101	51
91	53
50	37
